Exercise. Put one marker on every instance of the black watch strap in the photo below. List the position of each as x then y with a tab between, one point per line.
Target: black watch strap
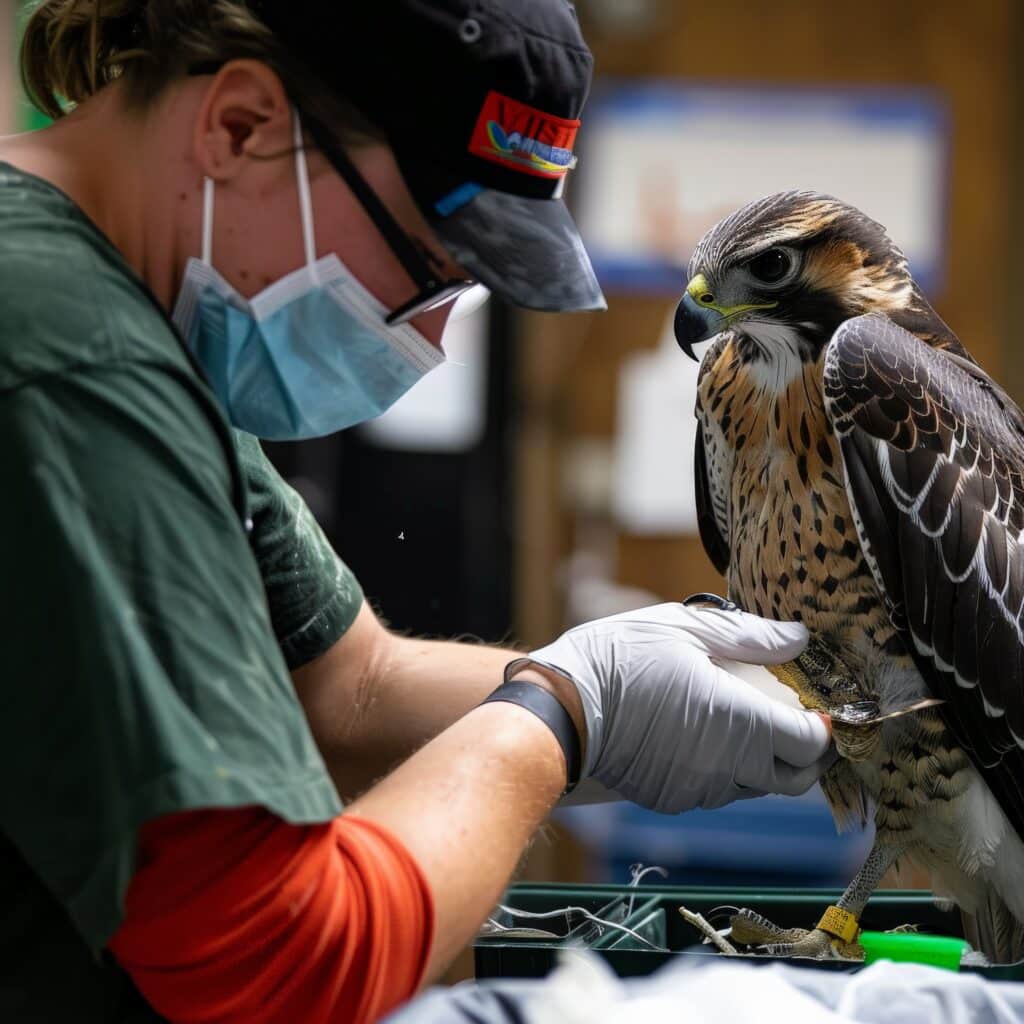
549	709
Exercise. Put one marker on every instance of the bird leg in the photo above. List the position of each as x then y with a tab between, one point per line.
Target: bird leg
836	934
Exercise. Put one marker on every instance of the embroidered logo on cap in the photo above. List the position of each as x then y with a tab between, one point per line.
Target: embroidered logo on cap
523	138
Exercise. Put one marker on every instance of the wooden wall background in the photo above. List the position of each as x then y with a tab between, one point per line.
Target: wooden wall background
569	365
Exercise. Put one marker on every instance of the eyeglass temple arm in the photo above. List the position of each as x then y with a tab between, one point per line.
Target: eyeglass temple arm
415	264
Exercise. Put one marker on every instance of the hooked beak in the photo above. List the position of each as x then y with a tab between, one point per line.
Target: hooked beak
694	324
699	317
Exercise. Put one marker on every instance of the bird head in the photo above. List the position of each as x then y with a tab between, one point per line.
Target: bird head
785	271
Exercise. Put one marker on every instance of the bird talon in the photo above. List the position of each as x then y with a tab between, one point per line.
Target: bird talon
815	945
765	938
721	603
752	929
774	949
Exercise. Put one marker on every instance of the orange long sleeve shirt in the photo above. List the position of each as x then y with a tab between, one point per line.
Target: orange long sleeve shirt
236	916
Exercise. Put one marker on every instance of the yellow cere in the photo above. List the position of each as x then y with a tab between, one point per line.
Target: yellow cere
700	292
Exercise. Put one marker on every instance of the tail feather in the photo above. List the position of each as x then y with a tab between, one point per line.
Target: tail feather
994	930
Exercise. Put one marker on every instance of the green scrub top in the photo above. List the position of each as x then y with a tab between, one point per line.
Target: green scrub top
159	579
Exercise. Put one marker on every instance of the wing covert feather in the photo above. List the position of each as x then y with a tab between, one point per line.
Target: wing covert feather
713	541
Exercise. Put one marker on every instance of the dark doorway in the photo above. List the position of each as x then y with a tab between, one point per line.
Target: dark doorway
428	534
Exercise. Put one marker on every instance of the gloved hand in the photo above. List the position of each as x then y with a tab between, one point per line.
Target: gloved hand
669	729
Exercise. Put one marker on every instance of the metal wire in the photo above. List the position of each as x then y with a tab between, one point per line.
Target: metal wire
637	873
535	915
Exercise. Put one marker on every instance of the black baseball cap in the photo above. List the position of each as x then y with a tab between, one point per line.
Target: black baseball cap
480	101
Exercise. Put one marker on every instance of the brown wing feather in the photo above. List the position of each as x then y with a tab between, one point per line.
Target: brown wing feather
934	456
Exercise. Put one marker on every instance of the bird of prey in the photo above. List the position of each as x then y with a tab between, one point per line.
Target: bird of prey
858	471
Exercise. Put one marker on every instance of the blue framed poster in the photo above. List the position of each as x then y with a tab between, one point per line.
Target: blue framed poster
662	161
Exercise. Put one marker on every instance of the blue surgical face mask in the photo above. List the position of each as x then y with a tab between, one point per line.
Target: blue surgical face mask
307	356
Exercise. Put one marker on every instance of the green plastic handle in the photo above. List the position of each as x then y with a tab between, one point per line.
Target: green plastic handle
935	950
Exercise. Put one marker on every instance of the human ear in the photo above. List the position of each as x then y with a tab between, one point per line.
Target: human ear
243	121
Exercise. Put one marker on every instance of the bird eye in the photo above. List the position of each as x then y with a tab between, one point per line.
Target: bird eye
770	266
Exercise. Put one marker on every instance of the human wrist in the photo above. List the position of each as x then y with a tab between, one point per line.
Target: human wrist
536	697
521	747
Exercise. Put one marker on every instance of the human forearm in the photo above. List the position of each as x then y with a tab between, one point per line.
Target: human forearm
375	697
465	806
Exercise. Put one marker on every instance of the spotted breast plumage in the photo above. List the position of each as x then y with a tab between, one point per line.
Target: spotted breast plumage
858	471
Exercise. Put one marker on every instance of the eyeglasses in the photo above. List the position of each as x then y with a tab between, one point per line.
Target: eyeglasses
433	290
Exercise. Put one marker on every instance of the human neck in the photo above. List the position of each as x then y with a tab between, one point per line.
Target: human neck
104	159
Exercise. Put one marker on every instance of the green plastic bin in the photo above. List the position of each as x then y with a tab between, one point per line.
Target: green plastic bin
653	913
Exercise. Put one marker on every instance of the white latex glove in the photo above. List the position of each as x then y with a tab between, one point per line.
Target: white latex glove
669	729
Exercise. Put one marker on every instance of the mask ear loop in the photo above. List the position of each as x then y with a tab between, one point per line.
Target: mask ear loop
207	250
305	199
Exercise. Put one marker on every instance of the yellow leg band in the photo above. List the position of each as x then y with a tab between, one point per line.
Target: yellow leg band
840	923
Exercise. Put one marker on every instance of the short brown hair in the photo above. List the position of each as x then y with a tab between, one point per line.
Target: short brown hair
73	48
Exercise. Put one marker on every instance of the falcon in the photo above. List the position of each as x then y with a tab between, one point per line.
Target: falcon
858	471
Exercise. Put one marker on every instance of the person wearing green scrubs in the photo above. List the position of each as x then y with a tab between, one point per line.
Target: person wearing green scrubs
248	220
